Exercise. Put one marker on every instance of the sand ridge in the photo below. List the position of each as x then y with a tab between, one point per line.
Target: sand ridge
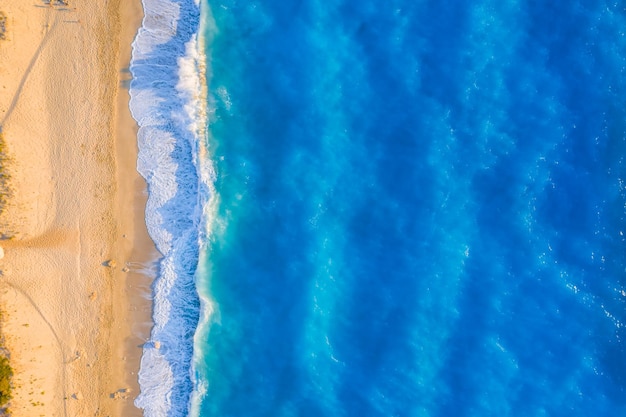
72	323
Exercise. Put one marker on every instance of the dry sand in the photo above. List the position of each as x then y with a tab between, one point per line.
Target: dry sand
73	325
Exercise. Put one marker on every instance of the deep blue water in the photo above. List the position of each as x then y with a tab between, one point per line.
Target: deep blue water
418	210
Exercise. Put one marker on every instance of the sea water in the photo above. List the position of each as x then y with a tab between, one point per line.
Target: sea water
384	208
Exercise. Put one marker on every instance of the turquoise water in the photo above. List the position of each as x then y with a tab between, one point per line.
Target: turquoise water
402	208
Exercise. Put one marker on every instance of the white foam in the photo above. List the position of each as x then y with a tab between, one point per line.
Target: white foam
155	377
159	26
168	101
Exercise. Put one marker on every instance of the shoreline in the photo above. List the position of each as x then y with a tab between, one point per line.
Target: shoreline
144	255
170	103
75	285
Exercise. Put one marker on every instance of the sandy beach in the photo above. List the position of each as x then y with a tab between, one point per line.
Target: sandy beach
78	263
